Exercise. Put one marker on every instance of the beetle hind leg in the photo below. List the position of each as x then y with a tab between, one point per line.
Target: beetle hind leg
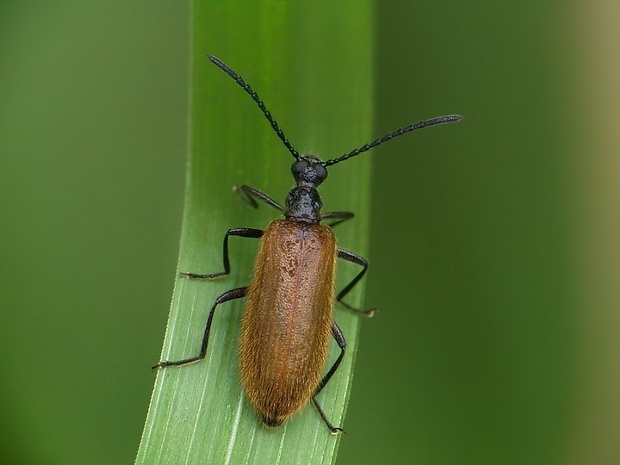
225	297
332	429
342	344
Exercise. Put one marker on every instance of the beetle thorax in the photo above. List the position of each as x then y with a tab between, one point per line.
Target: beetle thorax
303	204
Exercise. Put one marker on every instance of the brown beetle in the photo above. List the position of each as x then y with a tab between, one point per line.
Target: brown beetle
288	316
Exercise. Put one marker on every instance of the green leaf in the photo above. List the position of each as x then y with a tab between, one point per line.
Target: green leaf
311	64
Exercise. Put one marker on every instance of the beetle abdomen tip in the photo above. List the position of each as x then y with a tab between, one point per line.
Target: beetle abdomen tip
271	422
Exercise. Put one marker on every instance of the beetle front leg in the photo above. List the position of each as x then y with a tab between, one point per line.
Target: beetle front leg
248	194
340	217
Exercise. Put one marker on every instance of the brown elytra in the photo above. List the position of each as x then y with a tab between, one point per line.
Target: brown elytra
287	321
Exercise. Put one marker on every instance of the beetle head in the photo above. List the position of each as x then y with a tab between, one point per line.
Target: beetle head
309	171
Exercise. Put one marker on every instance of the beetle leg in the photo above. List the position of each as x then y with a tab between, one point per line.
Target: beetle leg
246	193
241	232
332	429
339	337
225	297
353	258
340	217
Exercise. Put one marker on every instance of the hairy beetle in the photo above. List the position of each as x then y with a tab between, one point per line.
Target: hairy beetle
288	318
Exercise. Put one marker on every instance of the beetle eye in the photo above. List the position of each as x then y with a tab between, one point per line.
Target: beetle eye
299	167
321	172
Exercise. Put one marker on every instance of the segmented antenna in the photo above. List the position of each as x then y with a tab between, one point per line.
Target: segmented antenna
398	132
239	80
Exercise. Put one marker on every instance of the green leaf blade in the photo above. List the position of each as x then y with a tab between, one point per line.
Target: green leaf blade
322	99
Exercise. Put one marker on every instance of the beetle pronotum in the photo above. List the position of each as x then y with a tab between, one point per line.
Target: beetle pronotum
288	317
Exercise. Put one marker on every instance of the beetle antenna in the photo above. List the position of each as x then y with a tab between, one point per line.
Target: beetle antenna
398	132
239	80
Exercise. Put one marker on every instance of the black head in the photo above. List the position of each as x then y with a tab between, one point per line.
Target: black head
309	171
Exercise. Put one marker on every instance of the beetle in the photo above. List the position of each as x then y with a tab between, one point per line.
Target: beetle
288	317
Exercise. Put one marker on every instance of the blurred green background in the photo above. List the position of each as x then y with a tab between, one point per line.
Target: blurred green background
495	264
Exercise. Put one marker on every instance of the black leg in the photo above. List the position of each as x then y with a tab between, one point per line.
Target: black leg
247	192
353	258
225	297
241	232
332	429
340	217
339	337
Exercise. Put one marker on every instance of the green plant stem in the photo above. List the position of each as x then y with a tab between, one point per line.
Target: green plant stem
311	64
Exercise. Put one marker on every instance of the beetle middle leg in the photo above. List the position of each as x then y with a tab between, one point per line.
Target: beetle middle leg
358	260
225	297
342	343
241	232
